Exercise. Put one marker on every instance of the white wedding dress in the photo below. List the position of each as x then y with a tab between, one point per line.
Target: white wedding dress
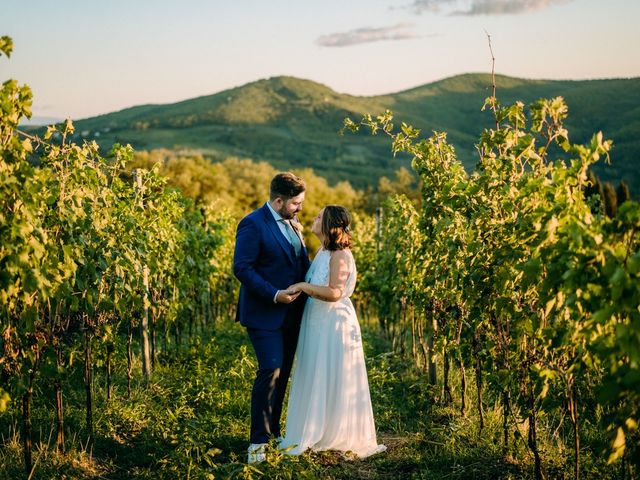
329	402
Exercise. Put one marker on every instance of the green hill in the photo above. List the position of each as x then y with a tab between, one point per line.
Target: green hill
291	122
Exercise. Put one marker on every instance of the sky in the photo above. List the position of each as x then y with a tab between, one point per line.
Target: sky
83	58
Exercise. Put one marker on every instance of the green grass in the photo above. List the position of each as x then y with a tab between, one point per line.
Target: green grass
192	422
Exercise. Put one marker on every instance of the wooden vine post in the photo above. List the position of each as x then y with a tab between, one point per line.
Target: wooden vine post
144	321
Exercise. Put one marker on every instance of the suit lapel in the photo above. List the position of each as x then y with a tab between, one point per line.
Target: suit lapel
275	230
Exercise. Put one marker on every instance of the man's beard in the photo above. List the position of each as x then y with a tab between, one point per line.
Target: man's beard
285	214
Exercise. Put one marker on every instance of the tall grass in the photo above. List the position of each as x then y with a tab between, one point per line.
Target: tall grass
192	422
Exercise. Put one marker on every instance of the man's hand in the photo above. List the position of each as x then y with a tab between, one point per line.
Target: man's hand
287	296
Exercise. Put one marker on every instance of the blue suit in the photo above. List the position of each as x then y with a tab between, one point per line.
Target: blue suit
265	261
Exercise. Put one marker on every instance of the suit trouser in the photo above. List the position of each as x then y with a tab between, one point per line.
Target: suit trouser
275	350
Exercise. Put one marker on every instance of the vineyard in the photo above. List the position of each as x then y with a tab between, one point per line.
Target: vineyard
90	258
503	300
516	278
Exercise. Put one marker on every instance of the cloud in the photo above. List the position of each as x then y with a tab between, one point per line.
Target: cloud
401	31
420	6
485	7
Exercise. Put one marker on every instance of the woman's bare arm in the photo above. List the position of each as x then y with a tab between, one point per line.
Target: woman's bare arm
338	275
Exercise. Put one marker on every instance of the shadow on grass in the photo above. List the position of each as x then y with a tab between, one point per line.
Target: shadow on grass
121	457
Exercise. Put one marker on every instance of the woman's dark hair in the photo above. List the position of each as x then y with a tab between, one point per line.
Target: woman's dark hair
336	228
286	185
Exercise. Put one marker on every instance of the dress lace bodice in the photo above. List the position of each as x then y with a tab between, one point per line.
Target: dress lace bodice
318	273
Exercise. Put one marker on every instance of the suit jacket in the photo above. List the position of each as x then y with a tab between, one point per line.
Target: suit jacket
264	261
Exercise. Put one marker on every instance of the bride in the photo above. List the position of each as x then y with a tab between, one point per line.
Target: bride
329	403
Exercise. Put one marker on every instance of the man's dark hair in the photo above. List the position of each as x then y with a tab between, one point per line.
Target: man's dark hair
286	185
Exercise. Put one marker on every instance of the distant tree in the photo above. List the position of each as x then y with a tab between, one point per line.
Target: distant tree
610	200
623	193
594	192
405	183
241	185
593	185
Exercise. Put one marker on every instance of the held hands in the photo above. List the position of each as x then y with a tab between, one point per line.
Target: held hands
298	287
287	296
291	293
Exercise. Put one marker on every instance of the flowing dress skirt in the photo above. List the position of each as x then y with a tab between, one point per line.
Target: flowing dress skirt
329	404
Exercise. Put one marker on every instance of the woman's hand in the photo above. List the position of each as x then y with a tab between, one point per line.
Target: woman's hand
298	287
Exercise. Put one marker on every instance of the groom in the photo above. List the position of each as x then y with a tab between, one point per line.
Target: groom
269	256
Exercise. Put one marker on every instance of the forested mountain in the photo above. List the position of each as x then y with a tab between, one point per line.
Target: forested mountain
293	123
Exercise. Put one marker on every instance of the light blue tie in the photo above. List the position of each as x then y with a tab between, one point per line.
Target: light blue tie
293	238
